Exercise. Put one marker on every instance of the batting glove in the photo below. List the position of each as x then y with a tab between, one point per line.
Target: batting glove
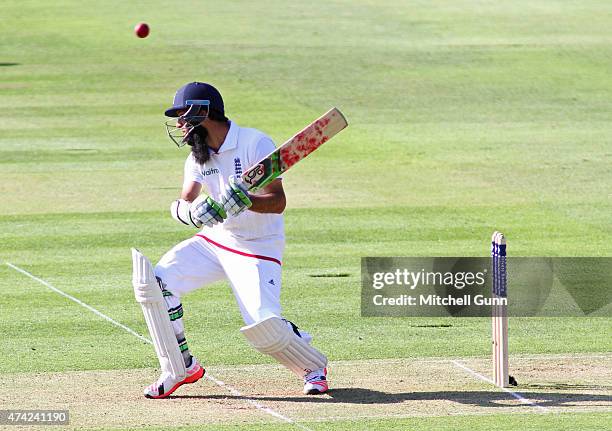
207	211
236	198
180	210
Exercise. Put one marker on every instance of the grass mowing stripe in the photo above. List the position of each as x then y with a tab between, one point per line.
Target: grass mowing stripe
78	301
231	389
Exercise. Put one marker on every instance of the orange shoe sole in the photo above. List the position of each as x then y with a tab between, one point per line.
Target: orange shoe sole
187	380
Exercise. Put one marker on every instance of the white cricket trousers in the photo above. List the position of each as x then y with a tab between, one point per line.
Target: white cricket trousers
199	261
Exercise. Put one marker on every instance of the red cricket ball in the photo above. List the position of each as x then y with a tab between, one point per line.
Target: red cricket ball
141	29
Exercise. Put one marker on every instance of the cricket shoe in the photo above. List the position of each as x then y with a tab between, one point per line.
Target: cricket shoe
166	384
315	382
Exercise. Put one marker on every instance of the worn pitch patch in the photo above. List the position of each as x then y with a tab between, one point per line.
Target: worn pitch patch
114	398
361	389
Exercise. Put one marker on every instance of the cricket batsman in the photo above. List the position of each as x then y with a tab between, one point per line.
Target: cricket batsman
241	240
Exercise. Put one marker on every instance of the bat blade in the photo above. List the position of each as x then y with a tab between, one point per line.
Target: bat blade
295	149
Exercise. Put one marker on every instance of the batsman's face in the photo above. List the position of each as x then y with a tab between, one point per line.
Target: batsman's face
184	125
179	130
181	123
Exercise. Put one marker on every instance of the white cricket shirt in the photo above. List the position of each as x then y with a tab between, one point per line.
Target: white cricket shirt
250	232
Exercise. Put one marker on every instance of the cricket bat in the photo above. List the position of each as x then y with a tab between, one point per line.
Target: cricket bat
295	149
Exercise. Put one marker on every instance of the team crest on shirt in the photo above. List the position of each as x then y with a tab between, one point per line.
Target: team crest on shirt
237	166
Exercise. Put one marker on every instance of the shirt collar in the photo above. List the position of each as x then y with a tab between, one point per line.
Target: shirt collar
231	139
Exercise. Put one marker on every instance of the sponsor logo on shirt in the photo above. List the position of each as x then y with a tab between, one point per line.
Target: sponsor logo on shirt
211	171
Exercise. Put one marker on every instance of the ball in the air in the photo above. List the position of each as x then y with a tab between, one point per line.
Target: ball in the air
141	29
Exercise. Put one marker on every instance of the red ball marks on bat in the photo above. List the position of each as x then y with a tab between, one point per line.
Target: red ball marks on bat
142	29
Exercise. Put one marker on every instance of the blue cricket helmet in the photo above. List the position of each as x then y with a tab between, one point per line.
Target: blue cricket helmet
196	91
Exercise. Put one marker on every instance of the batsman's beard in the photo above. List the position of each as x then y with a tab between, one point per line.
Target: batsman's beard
199	148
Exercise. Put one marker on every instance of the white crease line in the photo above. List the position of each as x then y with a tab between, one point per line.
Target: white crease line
232	390
432	360
508	391
547	357
78	301
255	404
439	360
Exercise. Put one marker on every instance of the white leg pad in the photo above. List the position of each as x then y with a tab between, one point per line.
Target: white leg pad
273	336
150	297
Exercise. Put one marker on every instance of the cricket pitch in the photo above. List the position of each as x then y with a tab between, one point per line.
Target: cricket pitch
393	388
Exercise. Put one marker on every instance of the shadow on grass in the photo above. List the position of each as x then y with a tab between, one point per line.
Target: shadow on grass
9	64
475	398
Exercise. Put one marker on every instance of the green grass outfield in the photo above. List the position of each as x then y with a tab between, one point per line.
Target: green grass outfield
485	423
465	117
